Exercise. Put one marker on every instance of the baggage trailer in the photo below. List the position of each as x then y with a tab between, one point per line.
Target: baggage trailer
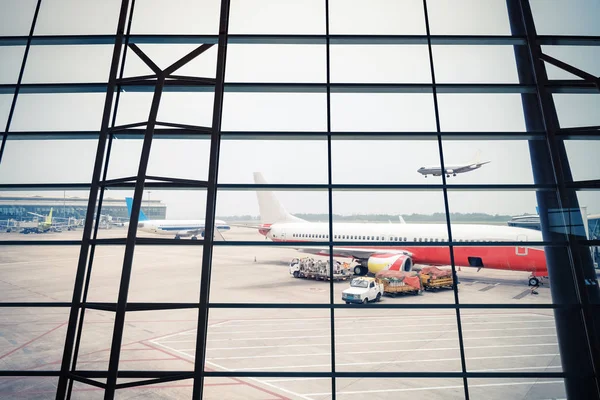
433	278
308	268
398	282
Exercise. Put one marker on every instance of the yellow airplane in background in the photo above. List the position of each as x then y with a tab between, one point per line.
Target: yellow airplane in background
47	224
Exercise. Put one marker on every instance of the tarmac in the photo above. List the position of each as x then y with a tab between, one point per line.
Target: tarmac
272	340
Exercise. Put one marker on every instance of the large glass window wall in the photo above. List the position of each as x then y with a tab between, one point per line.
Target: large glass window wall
299	200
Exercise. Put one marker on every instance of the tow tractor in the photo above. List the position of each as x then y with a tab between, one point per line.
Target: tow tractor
363	290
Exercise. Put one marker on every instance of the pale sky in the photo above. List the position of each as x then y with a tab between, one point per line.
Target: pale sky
301	161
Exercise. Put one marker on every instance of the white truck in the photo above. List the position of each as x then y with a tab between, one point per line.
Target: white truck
363	290
318	269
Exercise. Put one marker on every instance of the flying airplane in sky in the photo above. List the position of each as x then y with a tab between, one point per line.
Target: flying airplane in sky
379	246
453	169
179	228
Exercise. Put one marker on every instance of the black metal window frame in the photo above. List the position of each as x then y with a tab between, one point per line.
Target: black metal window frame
123	41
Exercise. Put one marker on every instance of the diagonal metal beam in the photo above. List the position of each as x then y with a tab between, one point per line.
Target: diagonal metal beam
211	200
145	58
571	69
115	350
187	58
61	390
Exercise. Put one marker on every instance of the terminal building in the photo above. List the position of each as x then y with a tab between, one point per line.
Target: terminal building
19	208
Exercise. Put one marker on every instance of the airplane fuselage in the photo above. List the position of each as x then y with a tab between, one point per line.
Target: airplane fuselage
421	242
177	227
450	169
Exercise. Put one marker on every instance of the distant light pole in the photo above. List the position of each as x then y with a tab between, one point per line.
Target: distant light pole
148	210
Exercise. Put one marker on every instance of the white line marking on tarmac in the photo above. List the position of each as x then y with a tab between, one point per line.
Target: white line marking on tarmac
385	327
378	342
395	362
537	327
515	369
49	260
382	351
294	379
435	388
303	396
279	322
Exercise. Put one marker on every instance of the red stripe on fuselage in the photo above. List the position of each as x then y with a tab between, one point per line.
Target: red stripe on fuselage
493	257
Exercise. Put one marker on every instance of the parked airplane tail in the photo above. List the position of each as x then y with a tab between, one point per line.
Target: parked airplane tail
49	217
129	202
270	208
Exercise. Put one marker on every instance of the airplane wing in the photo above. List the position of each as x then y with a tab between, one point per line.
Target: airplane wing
350	252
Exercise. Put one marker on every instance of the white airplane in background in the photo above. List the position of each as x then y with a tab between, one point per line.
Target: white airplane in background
179	228
381	246
453	169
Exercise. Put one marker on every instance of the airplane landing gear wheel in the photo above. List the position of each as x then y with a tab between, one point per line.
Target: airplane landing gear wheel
194	237
177	237
533	281
359	270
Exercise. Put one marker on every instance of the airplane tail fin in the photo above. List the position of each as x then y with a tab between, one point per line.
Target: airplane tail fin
270	208
49	217
129	202
402	221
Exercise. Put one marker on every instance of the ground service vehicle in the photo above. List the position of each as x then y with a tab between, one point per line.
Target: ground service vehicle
317	269
362	290
399	282
434	278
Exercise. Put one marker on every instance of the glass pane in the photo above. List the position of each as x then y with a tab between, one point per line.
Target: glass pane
96	340
583	159
274	112
276	16
475	64
510	341
28	387
564	17
12	58
166	274
398	389
53	267
426	343
526	388
468	17
56	112
399	161
275	63
481	112
62	160
176	17
380	17
484	161
284	161
32	338
351	112
581	57
275	340
5	103
577	110
380	64
16	17
65	17
144	335
51	64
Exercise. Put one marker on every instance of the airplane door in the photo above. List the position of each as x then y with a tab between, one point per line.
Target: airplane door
282	234
521	250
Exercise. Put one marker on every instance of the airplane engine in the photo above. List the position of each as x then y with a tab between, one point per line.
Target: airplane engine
394	262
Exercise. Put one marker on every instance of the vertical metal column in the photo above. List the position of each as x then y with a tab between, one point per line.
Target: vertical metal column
567	267
91	208
330	202
211	205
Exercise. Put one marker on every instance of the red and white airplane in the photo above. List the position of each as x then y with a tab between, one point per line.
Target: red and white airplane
383	248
